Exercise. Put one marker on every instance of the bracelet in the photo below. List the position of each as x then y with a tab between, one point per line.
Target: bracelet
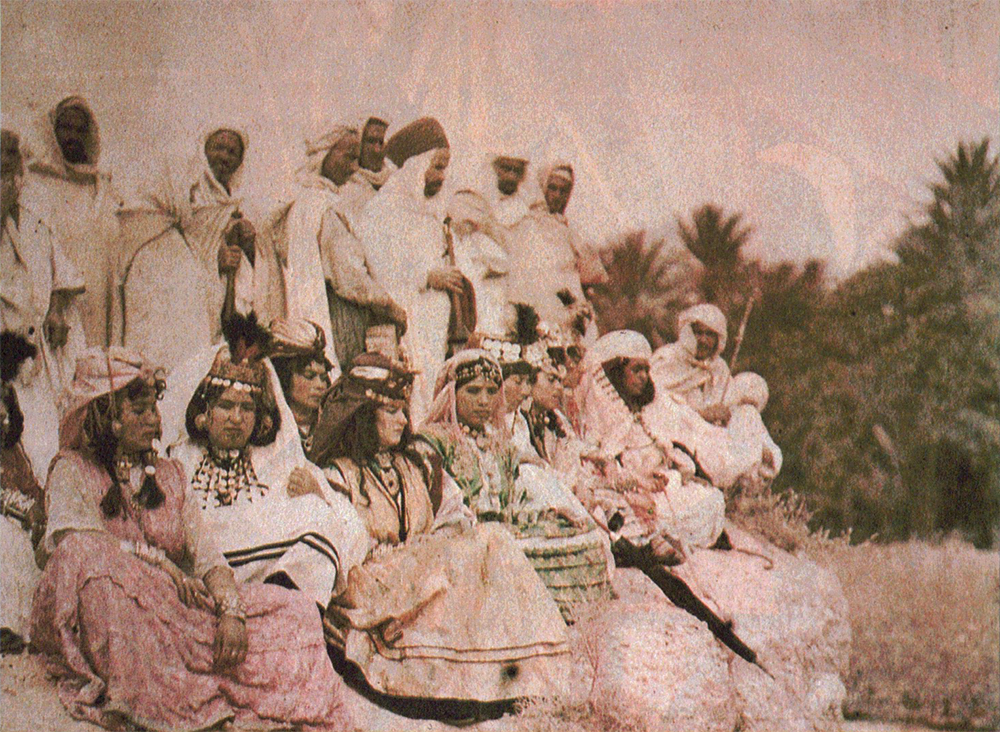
149	554
232	605
15	504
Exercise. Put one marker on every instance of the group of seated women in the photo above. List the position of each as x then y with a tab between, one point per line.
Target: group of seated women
208	543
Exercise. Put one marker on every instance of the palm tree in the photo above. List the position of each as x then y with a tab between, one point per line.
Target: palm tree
648	285
712	238
716	240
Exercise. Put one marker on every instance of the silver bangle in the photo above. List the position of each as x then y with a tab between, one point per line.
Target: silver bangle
15	504
232	605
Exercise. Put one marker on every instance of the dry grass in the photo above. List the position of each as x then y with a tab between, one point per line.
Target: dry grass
926	632
781	519
925	616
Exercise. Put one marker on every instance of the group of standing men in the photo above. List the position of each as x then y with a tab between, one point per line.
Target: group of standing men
370	237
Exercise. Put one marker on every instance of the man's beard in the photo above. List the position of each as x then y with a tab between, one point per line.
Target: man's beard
507	188
75	152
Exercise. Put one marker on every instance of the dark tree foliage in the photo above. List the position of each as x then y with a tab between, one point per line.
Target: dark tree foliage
648	286
885	390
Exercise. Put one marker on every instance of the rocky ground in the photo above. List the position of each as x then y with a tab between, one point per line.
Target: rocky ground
639	662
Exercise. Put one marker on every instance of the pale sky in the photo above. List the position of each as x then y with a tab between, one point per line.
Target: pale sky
818	121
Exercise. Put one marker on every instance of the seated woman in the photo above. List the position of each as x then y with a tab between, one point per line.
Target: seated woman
137	614
715	415
442	608
270	509
647	480
299	359
466	428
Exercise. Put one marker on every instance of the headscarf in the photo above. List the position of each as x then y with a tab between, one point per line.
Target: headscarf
481	197
50	160
373	379
675	369
181	191
98	372
415	139
604	416
292	337
458	370
560	168
310	173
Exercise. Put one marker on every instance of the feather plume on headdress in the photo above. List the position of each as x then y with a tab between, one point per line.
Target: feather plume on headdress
248	340
526	324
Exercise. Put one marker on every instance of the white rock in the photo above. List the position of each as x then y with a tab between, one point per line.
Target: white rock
656	666
795	616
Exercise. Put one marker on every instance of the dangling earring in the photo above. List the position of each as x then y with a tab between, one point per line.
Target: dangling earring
201	421
116	428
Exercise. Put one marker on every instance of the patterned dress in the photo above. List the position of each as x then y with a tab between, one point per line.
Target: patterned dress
529	500
443	608
113	631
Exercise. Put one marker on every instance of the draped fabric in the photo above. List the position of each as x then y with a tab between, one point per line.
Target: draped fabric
403	237
314	539
675	369
79	202
640	479
169	290
33	268
159	674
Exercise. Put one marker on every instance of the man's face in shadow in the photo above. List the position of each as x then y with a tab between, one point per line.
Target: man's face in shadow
510	173
72	128
372	146
434	177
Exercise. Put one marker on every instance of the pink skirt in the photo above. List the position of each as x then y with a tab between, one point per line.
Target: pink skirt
114	633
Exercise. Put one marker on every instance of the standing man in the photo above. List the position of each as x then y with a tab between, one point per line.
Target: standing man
38	285
487	222
186	261
404	238
373	169
327	279
551	267
68	190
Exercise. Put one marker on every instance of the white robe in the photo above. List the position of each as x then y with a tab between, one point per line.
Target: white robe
303	270
79	203
32	267
403	236
170	292
691	512
544	261
485	260
314	540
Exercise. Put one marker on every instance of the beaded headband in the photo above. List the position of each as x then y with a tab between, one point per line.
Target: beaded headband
480	367
248	376
381	381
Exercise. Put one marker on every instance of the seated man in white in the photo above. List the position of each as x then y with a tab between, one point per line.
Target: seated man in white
701	406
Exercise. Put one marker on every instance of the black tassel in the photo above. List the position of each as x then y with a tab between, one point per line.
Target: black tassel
15	349
526	326
246	337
